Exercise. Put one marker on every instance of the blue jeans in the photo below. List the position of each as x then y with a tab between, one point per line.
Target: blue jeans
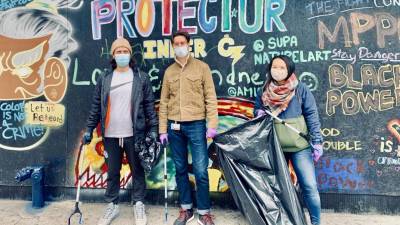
305	171
192	134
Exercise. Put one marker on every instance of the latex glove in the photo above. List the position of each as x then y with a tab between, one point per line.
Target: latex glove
87	137
211	132
317	152
164	139
260	113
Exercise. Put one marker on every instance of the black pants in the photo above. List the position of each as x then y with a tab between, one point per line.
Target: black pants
114	149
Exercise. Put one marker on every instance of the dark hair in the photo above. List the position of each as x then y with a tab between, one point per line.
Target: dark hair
289	65
132	63
181	33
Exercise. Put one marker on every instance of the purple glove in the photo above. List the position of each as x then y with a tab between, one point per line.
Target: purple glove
260	113
317	152
164	138
211	132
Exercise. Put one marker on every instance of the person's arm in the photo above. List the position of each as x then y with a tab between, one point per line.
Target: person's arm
210	98
95	109
310	113
163	109
258	104
148	104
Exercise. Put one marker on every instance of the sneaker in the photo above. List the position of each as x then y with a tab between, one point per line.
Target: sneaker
185	216
206	219
110	214
139	212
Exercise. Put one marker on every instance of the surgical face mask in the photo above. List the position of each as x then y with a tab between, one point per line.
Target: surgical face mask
279	74
181	51
122	59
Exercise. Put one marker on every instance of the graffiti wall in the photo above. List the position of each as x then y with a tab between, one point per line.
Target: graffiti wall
35	49
346	52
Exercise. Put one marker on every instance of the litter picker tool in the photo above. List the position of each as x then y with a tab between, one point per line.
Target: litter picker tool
165	185
305	136
77	211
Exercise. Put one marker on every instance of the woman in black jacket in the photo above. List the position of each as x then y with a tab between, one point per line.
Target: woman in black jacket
123	104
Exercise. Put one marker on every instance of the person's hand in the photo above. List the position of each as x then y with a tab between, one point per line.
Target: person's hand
317	151
211	132
260	113
87	137
164	139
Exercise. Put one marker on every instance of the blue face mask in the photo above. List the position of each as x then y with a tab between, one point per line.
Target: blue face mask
122	59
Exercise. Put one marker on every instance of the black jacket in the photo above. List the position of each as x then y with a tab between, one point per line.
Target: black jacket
144	117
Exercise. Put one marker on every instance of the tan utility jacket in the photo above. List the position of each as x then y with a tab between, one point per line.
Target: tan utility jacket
188	94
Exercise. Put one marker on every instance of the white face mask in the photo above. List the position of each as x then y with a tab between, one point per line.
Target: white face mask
279	74
181	51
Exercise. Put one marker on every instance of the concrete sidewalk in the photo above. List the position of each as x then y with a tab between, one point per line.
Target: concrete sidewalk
13	212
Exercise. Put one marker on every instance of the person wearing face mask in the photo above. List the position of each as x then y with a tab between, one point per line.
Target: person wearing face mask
188	116
123	104
292	101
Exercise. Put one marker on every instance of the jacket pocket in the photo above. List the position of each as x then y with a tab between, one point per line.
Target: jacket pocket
174	85
195	82
195	86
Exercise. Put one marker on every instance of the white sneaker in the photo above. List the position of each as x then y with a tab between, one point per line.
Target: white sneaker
110	214
139	212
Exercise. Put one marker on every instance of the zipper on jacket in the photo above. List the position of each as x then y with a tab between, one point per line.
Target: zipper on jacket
180	92
180	85
180	95
135	109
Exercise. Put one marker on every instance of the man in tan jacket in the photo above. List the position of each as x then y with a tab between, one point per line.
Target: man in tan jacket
188	101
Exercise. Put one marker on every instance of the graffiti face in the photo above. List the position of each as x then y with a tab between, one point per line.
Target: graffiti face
310	80
26	74
21	60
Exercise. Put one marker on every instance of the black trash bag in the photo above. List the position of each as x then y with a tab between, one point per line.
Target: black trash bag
148	149
257	174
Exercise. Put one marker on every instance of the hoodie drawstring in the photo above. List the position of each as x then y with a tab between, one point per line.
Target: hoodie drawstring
121	142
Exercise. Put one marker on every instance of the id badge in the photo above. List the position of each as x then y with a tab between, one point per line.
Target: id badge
175	126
